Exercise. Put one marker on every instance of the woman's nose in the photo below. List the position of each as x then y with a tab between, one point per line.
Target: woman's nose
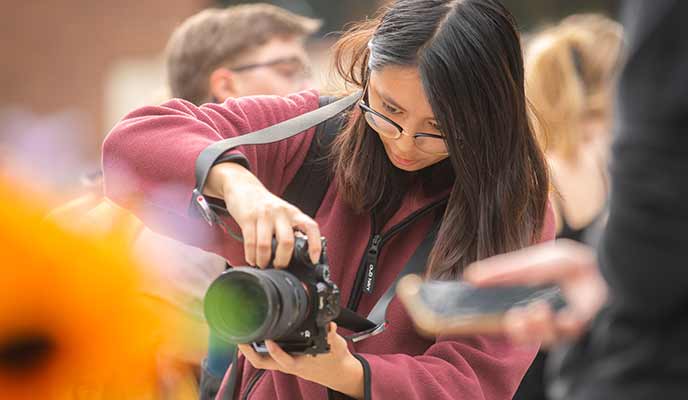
405	143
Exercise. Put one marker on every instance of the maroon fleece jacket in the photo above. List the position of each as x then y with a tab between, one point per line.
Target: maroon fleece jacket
148	164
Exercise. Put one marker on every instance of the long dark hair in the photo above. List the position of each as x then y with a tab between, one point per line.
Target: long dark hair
468	54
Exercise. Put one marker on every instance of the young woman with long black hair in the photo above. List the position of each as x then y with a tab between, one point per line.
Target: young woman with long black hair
442	120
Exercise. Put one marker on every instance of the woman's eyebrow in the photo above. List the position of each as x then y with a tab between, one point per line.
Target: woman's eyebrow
388	99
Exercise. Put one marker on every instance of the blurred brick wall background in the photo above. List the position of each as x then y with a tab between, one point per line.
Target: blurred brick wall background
56	55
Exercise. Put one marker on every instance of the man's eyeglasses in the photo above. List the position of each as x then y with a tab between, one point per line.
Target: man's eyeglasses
288	67
430	143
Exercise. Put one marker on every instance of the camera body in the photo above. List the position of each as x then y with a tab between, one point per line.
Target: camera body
291	306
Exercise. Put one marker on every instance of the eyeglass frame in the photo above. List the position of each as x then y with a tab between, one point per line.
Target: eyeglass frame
366	108
305	73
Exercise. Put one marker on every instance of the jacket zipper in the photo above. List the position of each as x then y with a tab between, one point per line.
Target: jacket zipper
365	276
252	383
371	263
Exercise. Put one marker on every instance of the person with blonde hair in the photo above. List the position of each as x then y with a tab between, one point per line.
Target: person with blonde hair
570	71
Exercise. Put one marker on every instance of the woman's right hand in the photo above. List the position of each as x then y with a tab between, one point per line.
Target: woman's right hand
261	216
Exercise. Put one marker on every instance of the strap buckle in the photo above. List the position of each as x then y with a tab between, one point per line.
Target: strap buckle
376	330
204	208
211	216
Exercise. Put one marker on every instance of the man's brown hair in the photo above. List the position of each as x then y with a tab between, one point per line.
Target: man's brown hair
214	36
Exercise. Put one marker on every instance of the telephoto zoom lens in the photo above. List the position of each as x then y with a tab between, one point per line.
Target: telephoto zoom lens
247	305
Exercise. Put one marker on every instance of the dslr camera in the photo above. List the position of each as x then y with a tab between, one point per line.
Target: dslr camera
291	306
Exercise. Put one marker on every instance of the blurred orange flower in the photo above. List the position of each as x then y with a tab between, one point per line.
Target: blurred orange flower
72	321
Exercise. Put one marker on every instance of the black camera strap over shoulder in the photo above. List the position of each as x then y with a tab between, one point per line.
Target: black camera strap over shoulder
309	186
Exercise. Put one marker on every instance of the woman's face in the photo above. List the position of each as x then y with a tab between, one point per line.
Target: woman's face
397	93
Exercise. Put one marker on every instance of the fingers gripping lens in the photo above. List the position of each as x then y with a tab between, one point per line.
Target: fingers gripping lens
292	306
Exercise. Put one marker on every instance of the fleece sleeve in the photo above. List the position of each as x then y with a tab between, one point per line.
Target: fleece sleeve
453	368
149	157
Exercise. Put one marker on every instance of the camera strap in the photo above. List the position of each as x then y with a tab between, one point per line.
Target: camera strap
415	265
376	322
231	385
275	133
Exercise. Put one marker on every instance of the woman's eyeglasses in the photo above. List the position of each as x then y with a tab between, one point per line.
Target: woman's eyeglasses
430	143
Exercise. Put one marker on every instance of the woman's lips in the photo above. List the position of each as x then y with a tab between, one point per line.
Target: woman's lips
402	161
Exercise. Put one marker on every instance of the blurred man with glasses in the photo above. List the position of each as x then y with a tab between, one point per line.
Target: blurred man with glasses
243	50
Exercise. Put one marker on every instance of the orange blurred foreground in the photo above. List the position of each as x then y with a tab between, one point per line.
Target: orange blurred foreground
73	323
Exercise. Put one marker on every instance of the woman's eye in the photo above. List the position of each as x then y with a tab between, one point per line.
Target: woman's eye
389	108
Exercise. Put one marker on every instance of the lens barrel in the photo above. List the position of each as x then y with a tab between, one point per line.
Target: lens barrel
247	305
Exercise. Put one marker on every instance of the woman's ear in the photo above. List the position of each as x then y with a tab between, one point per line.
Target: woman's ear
222	83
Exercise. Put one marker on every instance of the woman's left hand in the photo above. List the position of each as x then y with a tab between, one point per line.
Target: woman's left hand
339	369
